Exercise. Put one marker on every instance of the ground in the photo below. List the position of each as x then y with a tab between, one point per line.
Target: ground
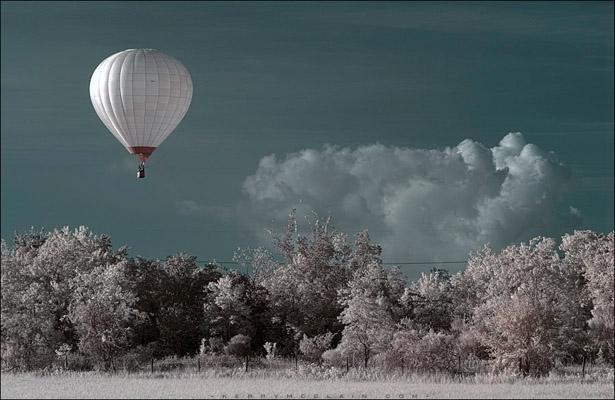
96	385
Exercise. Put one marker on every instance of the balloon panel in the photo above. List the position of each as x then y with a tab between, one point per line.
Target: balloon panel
141	95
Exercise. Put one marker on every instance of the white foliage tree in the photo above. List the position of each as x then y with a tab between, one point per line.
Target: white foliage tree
371	308
29	334
592	254
430	301
520	310
304	288
38	279
227	308
103	311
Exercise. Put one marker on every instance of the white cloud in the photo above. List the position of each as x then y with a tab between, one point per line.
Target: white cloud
189	207
419	204
574	211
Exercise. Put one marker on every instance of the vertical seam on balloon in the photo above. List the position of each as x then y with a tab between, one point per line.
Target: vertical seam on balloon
100	110
156	133
99	105
189	91
162	131
182	110
132	86
122	94
120	124
114	130
146	142
145	88
149	136
111	113
173	124
134	113
102	101
152	130
160	125
94	95
170	127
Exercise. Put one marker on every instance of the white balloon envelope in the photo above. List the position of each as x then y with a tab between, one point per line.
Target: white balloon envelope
141	95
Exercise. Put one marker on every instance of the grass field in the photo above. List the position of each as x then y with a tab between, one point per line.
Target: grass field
143	385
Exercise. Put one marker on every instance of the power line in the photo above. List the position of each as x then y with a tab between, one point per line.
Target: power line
424	262
384	263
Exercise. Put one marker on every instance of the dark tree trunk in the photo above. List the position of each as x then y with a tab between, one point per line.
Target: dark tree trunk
520	365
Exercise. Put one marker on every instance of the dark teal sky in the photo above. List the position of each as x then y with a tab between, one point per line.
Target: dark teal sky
281	77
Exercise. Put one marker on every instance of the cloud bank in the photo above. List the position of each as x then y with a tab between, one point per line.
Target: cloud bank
421	205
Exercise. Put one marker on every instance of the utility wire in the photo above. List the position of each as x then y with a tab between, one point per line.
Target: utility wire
384	263
424	262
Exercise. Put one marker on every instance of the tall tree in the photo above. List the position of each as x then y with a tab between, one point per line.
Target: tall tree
38	280
592	254
235	305
304	289
521	311
227	309
431	301
147	278
371	310
182	294
102	312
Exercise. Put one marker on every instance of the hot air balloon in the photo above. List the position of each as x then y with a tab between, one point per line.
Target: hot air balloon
141	95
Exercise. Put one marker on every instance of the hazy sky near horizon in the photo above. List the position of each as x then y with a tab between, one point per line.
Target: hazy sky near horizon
376	81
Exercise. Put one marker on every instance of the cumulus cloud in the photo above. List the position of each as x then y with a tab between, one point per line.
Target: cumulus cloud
420	204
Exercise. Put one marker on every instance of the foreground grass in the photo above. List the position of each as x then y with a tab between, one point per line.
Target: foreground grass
98	385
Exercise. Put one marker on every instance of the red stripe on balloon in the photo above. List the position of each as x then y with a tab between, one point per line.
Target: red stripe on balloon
142	151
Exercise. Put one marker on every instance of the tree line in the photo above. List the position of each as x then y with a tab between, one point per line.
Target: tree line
319	296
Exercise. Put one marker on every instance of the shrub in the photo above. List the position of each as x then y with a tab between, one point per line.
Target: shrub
314	347
239	346
334	358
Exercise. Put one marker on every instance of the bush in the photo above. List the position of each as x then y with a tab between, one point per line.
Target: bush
137	359
435	352
334	358
313	347
218	361
79	362
172	363
238	346
213	345
418	351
